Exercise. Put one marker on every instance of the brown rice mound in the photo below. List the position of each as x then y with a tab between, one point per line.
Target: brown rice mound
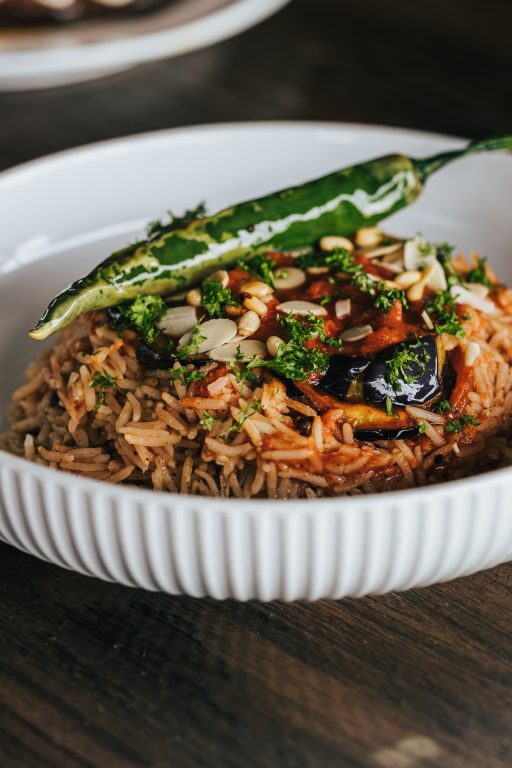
151	432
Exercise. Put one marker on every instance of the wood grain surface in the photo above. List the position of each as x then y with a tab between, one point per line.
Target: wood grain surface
94	675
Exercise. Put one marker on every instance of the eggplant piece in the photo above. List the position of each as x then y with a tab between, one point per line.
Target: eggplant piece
342	372
153	358
371	423
422	380
368	422
161	359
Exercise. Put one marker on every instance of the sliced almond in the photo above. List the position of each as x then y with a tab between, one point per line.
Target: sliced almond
301	308
471	352
242	350
286	278
477	288
357	333
463	296
178	320
384	250
342	308
214	333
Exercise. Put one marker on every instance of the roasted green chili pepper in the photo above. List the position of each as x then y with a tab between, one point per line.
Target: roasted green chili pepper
337	204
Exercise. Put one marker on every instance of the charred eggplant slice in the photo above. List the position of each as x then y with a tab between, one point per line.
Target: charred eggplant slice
368	421
342	372
409	373
371	423
150	357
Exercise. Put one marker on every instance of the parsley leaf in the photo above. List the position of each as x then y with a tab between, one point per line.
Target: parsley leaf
422	427
442	308
479	274
385	297
249	410
209	420
144	313
102	381
407	364
214	297
443	406
457	425
260	266
183	374
294	361
191	347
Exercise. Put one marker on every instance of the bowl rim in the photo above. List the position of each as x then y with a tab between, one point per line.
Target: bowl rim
75	156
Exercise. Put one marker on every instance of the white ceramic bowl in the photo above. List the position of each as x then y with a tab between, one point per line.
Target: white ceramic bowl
43	57
61	215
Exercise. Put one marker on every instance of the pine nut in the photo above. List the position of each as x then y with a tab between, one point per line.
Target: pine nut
256	288
248	323
194	297
318	270
273	344
331	242
416	291
254	304
221	276
368	237
234	310
406	279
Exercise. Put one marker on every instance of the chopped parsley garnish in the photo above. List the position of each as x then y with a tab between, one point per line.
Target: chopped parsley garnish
214	297
389	406
443	406
260	266
294	361
388	297
445	251
422	427
242	374
192	345
209	420
185	376
103	381
157	228
309	327
479	274
442	308
144	313
385	297
249	410
457	425
408	363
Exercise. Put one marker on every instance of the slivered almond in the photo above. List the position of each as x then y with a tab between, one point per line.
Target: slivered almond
215	333
357	333
301	308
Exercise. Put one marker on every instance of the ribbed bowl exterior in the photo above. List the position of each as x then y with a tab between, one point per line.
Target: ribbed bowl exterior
262	549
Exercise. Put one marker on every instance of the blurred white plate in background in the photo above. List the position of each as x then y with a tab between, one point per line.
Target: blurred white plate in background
47	56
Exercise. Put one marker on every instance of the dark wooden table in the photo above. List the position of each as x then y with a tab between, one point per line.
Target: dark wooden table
98	676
